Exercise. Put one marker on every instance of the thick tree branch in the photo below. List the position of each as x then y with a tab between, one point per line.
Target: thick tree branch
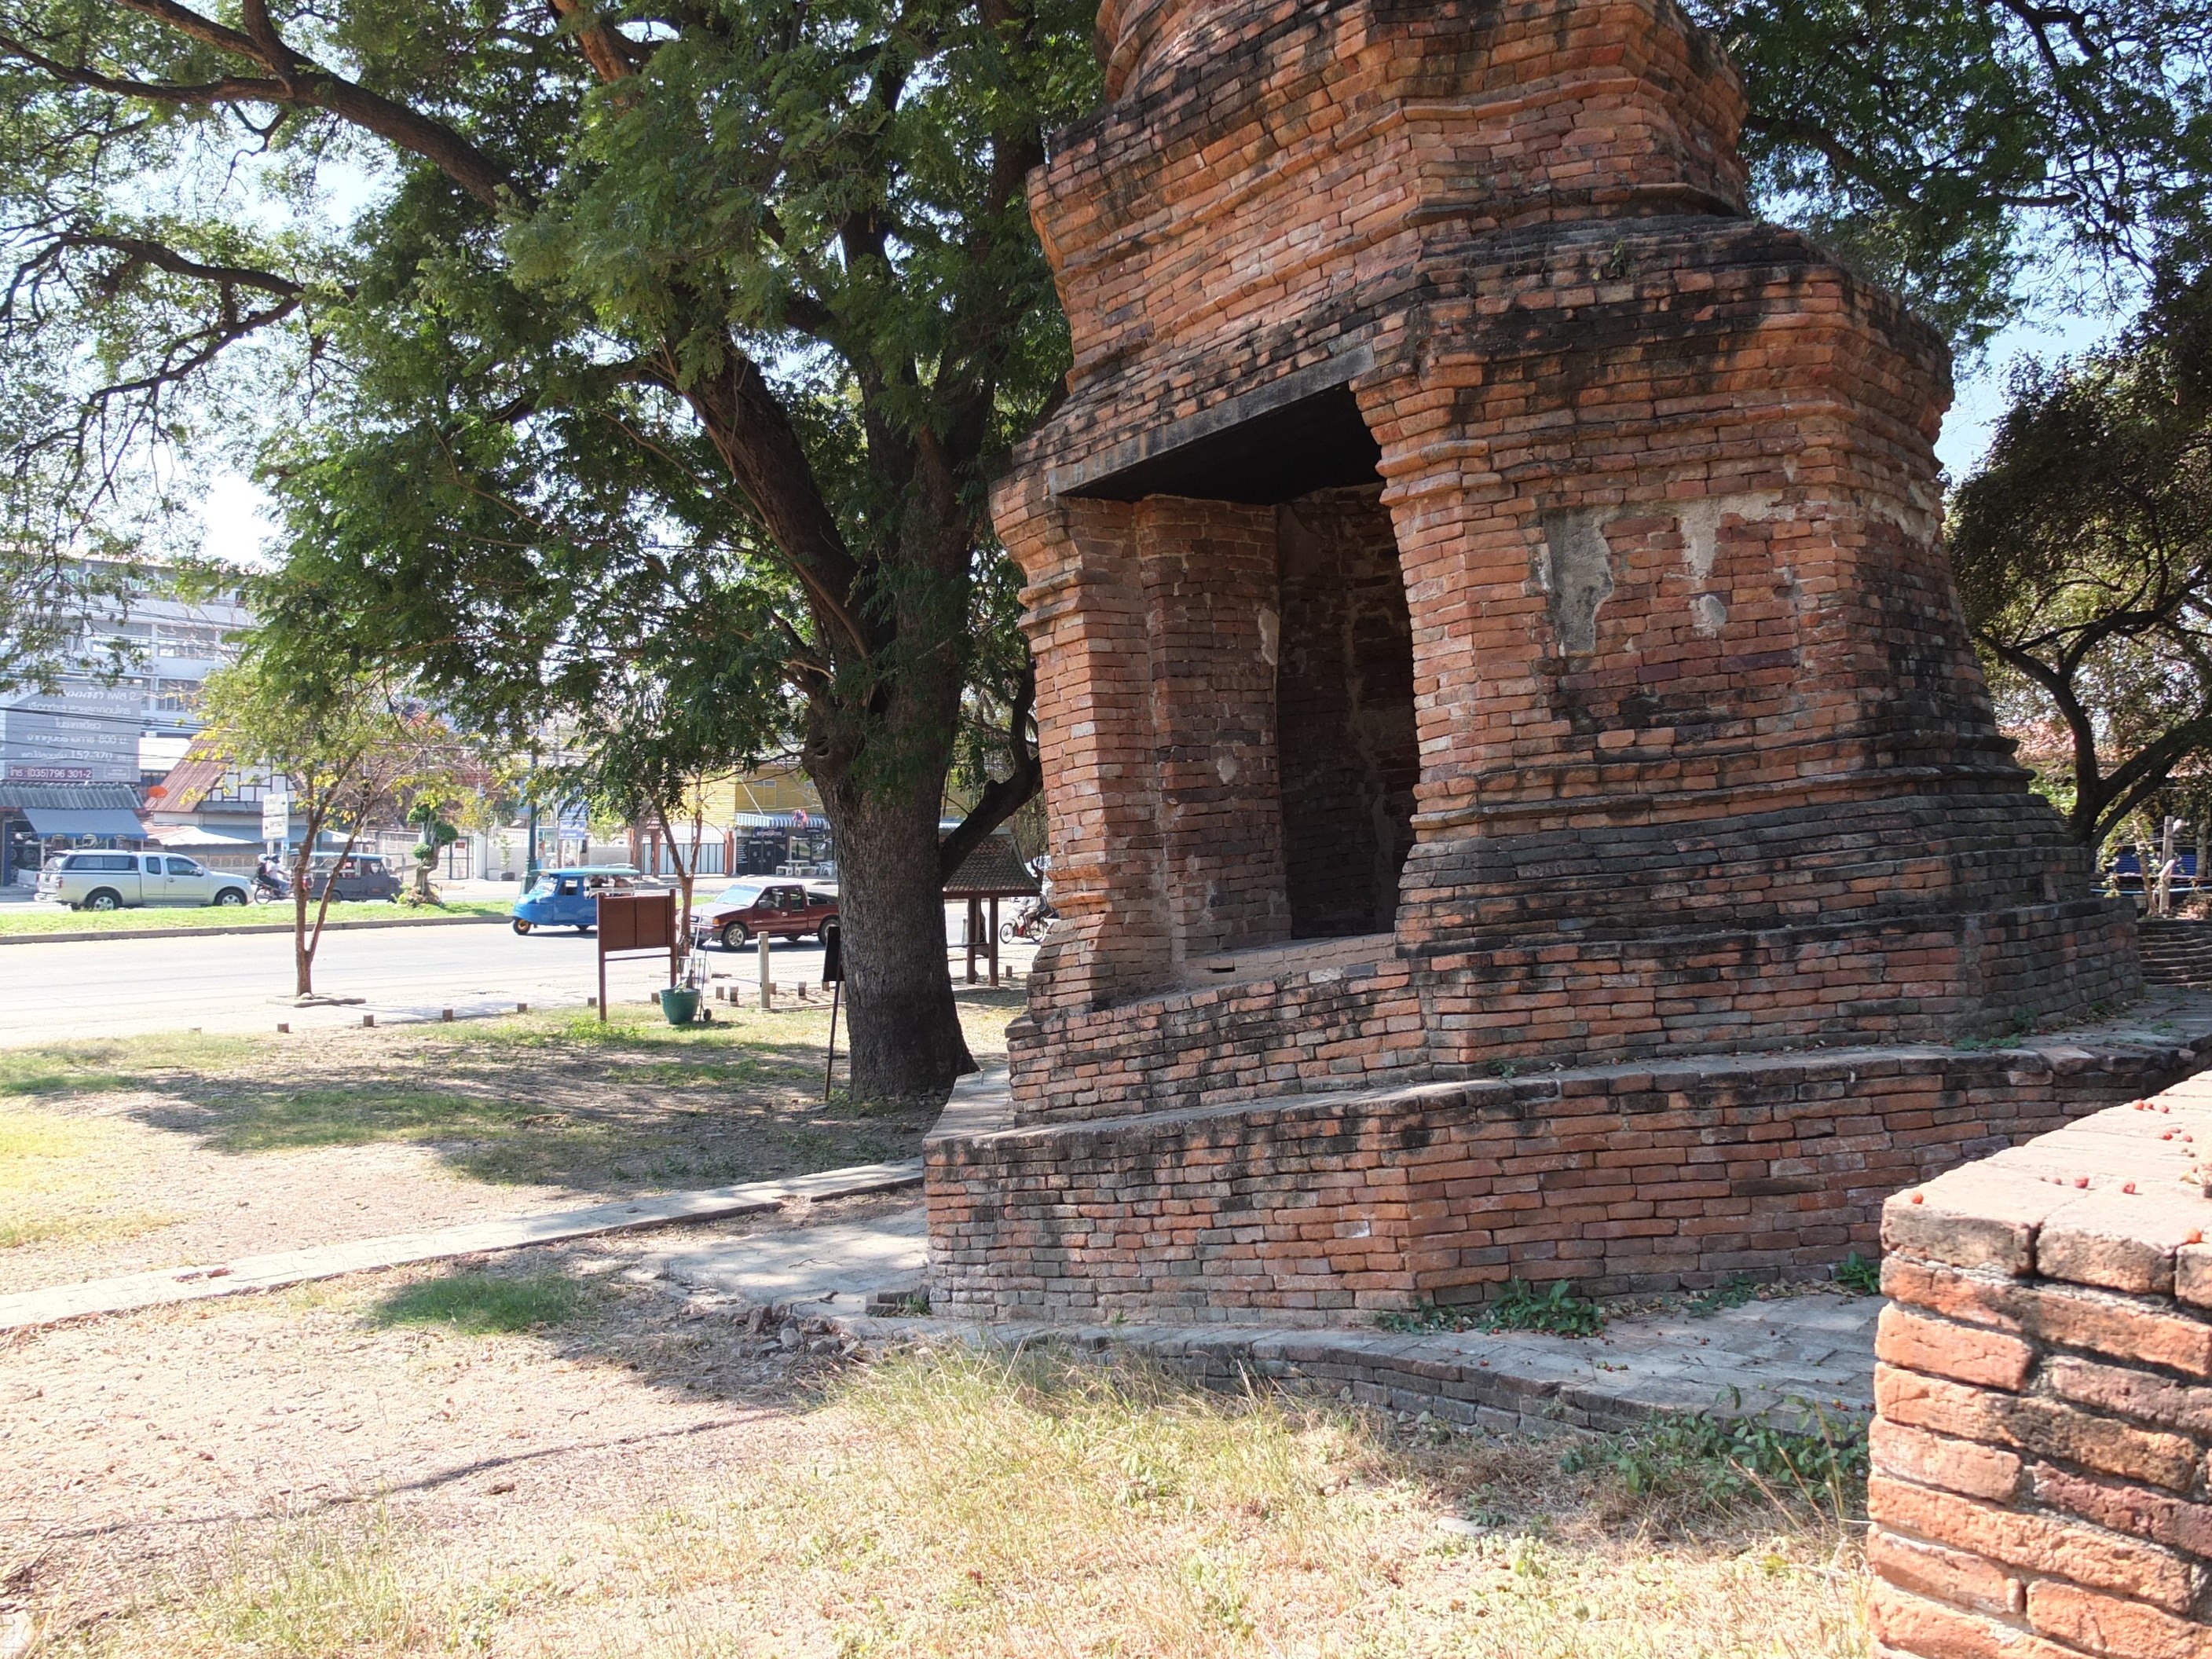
162	258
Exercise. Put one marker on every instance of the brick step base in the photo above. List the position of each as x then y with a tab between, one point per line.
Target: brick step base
1324	1209
2177	953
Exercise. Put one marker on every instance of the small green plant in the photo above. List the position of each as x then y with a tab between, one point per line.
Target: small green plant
1558	1311
1734	1294
479	1305
1859	1276
1711	1462
1519	1307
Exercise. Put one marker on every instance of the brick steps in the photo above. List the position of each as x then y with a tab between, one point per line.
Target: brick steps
2176	952
1319	1209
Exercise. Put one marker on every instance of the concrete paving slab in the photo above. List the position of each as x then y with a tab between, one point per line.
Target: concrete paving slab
278	1269
1793	1361
829	1269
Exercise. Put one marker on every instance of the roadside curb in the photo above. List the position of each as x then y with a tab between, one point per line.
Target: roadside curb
128	1293
85	937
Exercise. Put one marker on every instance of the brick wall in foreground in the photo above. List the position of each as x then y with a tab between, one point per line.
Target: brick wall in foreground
1624	1179
2044	1399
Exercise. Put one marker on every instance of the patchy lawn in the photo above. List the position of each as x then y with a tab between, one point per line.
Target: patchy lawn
60	919
553	1453
135	1153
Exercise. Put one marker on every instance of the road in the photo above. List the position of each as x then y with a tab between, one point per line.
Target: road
242	981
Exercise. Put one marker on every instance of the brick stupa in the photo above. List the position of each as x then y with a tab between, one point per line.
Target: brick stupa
1489	619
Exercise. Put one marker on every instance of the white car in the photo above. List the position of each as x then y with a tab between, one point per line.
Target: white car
115	881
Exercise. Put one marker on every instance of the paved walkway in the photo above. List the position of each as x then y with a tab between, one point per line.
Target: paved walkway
1797	1360
284	1268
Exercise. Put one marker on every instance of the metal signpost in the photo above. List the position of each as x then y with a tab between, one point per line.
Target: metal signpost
635	925
277	813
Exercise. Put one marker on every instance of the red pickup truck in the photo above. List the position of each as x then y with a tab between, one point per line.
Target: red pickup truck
757	905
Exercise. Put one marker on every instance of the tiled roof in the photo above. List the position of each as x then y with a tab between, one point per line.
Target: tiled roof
994	867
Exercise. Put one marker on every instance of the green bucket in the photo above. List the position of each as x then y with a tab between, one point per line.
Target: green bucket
682	1006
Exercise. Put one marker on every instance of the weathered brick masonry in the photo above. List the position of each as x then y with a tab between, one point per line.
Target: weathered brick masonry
1486	605
2044	1398
1312	1210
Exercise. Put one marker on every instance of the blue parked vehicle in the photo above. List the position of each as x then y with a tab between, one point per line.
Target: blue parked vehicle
570	897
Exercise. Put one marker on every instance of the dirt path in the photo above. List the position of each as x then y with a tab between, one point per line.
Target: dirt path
555	1452
132	1447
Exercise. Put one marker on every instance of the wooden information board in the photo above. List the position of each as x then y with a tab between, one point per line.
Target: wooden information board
632	925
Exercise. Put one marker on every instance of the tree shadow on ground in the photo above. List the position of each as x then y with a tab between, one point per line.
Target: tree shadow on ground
1684	1482
560	1099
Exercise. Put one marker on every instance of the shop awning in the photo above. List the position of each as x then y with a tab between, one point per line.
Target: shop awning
47	820
193	835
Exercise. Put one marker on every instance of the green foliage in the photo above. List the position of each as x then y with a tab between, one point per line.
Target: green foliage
1734	1294
484	1304
2083	550
1860	1276
1712	1462
1963	153
1518	1307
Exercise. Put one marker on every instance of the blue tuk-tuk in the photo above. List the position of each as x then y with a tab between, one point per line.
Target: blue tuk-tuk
570	897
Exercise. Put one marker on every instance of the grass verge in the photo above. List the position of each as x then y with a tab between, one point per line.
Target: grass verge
483	1304
32	918
56	1185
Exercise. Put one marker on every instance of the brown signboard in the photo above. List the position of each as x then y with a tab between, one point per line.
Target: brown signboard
636	922
632	924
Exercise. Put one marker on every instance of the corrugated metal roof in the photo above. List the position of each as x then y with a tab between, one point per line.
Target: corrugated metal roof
70	797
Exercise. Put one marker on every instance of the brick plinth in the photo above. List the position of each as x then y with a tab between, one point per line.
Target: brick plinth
1626	1180
2044	1398
1474	554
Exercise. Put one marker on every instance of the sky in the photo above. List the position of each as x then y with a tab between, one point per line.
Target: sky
237	521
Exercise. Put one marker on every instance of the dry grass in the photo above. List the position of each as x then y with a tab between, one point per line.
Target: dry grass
233	1145
964	1505
58	1183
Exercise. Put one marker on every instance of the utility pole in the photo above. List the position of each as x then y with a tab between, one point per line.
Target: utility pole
530	822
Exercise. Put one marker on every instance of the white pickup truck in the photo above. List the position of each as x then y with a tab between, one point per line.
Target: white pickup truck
111	881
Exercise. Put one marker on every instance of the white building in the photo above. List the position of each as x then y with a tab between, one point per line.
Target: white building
96	740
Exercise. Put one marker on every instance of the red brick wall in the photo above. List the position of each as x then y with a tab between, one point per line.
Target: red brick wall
1623	1179
1208	570
2044	1398
1351	755
1458	1012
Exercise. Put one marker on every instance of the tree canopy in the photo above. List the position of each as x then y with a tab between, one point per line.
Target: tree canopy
590	345
1972	154
2083	550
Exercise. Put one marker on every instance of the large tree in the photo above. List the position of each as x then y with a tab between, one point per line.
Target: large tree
673	312
688	334
1979	155
2083	548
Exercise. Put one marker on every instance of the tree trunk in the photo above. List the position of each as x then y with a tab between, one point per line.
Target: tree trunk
907	1045
303	953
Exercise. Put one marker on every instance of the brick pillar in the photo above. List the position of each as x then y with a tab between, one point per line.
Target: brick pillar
2044	1399
1212	618
1086	623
